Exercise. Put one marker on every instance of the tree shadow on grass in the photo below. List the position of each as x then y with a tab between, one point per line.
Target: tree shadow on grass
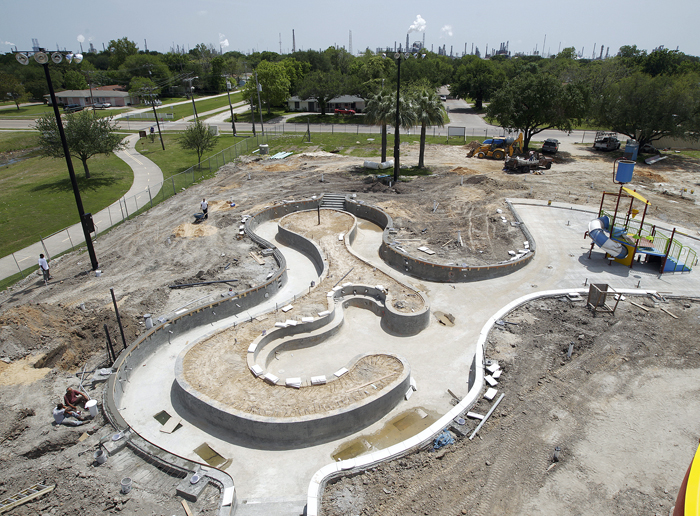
84	185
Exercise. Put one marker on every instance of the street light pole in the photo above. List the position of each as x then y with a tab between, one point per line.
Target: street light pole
257	87
397	137
85	218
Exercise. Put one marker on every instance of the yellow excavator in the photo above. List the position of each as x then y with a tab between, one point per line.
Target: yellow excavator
497	148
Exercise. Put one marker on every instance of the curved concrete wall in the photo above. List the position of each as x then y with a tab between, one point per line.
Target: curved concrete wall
285	433
431	271
203	315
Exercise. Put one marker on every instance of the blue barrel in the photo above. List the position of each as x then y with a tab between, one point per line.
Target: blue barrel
631	150
625	169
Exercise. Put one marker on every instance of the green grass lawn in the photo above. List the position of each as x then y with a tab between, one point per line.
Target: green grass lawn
36	196
349	144
175	159
18	141
203	105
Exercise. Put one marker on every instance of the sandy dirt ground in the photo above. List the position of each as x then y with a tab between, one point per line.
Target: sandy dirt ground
48	334
217	366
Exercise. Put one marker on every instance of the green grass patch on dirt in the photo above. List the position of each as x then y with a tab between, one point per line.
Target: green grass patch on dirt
175	159
18	141
36	196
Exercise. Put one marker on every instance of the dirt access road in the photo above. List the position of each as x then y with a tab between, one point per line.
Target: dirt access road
47	334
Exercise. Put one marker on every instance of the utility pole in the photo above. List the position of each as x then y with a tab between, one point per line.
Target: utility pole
153	105
252	114
257	87
228	92
194	108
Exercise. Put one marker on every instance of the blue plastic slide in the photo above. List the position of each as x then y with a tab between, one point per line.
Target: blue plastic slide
597	229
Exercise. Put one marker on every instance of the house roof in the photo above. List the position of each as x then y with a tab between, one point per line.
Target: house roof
342	98
86	93
112	87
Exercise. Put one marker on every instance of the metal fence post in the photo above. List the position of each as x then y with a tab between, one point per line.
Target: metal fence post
149	196
109	211
69	238
18	267
172	178
48	256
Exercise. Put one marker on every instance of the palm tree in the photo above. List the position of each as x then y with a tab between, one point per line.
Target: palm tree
378	112
428	111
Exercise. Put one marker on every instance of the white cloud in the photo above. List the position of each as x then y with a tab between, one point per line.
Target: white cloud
8	43
418	25
81	38
447	30
202	13
223	41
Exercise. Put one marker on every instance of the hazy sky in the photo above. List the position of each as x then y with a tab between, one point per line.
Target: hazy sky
257	25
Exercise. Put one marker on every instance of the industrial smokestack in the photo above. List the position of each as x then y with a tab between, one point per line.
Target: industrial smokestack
407	47
294	42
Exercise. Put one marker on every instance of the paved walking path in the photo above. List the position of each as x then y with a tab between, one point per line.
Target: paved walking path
148	179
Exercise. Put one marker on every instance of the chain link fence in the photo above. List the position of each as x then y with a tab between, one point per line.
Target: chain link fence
72	237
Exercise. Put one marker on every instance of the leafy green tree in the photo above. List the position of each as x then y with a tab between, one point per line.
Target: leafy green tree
662	61
140	85
145	66
322	86
119	50
86	134
274	83
532	103
296	70
74	80
650	108
477	79
197	137
378	112
12	88
567	53
428	111
217	81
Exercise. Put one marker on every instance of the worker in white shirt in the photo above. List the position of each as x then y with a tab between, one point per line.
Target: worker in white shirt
205	208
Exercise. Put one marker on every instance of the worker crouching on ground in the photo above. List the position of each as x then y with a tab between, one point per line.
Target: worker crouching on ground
65	416
73	397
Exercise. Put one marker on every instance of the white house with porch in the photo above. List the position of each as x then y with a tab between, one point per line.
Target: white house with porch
312	105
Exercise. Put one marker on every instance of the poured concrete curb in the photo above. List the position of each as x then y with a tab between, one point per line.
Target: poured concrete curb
341	468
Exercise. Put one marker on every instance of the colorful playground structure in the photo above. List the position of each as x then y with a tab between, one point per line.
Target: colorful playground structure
623	237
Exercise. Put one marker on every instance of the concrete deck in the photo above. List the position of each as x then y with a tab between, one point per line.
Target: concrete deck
275	482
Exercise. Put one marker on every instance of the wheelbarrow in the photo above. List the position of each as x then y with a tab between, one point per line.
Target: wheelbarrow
198	217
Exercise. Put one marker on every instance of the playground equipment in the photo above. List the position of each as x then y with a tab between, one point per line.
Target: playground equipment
622	237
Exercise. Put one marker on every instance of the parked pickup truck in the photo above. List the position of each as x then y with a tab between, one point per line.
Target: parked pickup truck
344	111
606	141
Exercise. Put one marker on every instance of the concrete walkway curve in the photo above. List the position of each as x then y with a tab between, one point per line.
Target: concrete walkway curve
147	177
277	482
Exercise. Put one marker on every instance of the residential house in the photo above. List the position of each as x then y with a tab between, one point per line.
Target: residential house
101	94
312	105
